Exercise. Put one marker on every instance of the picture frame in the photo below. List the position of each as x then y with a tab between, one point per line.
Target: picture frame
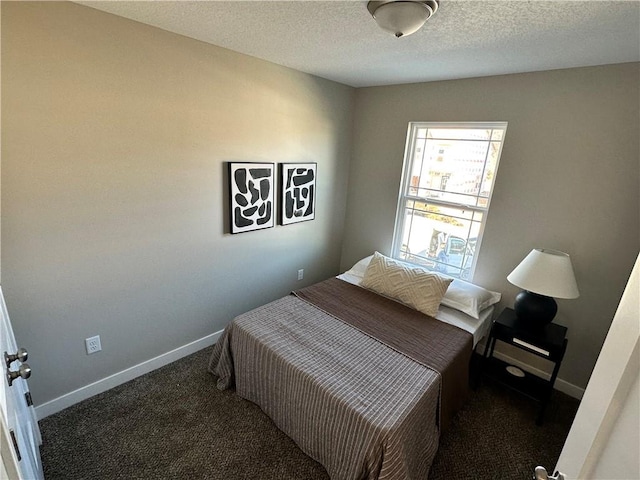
252	196
297	192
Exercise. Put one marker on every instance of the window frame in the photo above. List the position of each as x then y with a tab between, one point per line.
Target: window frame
405	184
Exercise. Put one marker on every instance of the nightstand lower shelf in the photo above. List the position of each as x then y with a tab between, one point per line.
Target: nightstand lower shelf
549	343
531	386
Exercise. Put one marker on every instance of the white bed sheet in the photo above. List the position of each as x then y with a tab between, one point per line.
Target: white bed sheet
477	328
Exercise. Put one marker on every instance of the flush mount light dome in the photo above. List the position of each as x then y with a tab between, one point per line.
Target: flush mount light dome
402	17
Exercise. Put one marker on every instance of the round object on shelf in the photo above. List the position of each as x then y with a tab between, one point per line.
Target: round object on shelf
515	371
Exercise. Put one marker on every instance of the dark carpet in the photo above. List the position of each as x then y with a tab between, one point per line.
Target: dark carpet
173	423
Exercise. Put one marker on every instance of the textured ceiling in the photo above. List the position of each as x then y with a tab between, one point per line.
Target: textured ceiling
339	40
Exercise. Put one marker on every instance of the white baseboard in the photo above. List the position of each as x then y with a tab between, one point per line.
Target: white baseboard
82	393
560	385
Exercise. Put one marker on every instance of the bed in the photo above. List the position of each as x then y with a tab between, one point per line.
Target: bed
362	383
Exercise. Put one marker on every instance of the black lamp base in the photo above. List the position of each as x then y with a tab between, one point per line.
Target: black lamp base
535	311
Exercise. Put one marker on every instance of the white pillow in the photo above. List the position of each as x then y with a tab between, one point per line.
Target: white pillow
463	296
414	286
469	298
359	268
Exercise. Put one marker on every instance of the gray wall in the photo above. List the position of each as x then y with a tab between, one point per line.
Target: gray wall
568	180
114	142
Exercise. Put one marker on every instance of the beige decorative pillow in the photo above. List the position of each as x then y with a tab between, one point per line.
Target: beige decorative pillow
414	286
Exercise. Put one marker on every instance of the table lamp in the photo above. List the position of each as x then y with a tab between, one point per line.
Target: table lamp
543	274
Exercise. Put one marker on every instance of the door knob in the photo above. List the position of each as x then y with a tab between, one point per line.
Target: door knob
541	474
24	372
20	355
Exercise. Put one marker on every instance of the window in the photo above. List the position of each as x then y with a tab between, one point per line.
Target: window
447	181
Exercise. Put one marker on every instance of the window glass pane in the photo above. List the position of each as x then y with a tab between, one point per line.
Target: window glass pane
452	166
460	133
409	215
478	216
442	239
497	134
490	169
418	154
452	212
416	168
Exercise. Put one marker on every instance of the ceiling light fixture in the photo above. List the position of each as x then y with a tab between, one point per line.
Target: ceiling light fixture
402	17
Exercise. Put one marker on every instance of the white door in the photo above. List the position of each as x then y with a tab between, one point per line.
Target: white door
20	435
604	442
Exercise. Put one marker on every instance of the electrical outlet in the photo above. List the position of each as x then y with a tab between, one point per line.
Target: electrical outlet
93	344
301	274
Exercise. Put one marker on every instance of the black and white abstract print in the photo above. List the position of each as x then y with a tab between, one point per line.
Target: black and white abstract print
252	196
298	192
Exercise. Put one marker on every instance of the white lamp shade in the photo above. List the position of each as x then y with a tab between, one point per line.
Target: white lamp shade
546	272
402	18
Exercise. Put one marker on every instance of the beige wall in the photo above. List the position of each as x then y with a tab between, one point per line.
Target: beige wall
568	180
114	142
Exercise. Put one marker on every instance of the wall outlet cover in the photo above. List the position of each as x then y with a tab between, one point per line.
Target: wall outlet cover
92	344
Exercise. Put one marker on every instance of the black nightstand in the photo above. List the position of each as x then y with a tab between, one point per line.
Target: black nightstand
549	343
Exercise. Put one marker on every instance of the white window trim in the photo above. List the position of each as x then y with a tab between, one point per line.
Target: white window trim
398	229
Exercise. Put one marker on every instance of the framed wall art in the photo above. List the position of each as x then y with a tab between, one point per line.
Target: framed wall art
252	196
297	192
